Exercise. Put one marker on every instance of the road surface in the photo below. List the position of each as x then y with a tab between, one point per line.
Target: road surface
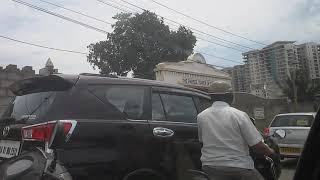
288	169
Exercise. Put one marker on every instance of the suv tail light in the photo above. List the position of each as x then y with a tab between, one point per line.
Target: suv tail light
266	131
44	131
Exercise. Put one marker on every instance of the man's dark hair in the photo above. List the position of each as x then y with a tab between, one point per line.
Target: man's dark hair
225	97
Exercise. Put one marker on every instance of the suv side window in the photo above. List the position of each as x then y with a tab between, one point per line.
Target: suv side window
204	103
179	108
129	100
157	108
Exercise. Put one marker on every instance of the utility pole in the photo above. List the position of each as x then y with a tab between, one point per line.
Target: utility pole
265	90
295	93
293	77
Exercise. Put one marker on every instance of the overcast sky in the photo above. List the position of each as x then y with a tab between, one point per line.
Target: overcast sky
265	21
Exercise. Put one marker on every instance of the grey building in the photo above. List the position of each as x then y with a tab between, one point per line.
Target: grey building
8	75
11	74
309	59
228	70
194	73
272	65
239	78
269	66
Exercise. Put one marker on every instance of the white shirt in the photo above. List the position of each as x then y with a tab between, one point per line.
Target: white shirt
226	134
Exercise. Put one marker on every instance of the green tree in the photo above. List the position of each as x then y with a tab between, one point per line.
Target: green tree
138	43
219	87
306	89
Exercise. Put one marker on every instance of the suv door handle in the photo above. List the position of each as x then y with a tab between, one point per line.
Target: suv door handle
162	132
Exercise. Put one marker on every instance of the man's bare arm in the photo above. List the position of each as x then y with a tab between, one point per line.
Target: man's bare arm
262	149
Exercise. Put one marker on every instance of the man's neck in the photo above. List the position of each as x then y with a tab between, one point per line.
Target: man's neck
220	103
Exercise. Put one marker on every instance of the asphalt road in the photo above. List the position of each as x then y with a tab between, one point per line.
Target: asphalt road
288	169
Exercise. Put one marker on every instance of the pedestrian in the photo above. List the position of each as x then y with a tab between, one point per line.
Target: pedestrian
227	134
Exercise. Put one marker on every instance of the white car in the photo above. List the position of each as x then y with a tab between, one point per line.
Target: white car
294	129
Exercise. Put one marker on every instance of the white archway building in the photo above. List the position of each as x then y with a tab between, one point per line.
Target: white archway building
194	72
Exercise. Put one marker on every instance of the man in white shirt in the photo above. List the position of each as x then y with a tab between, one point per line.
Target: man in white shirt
227	134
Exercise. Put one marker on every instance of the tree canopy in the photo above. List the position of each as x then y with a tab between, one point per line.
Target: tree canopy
138	43
306	88
220	87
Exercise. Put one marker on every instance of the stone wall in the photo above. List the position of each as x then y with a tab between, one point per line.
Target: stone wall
8	75
248	102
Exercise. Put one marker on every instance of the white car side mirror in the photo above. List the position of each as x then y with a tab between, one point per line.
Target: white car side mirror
280	133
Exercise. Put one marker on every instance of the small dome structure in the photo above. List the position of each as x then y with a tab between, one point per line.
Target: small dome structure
197	57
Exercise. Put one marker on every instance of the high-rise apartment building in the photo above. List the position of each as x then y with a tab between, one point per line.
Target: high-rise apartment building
239	78
309	59
269	66
272	65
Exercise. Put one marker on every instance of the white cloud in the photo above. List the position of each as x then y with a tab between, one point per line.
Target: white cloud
263	20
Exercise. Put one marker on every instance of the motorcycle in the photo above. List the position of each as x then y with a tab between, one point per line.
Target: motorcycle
36	164
269	169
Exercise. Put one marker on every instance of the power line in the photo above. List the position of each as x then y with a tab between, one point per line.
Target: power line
62	50
206	40
199	38
211	55
56	49
41	46
202	22
194	29
220	39
117	7
132	10
76	22
61	16
77	12
199	32
219	44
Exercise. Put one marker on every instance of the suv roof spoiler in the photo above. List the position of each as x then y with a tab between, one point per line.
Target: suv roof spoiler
99	75
41	84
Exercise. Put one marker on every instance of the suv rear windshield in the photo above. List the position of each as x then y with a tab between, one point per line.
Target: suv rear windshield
29	107
293	121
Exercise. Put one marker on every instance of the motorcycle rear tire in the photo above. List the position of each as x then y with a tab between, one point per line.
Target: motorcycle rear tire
33	171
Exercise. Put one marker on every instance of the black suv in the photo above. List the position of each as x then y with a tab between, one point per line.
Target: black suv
121	128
